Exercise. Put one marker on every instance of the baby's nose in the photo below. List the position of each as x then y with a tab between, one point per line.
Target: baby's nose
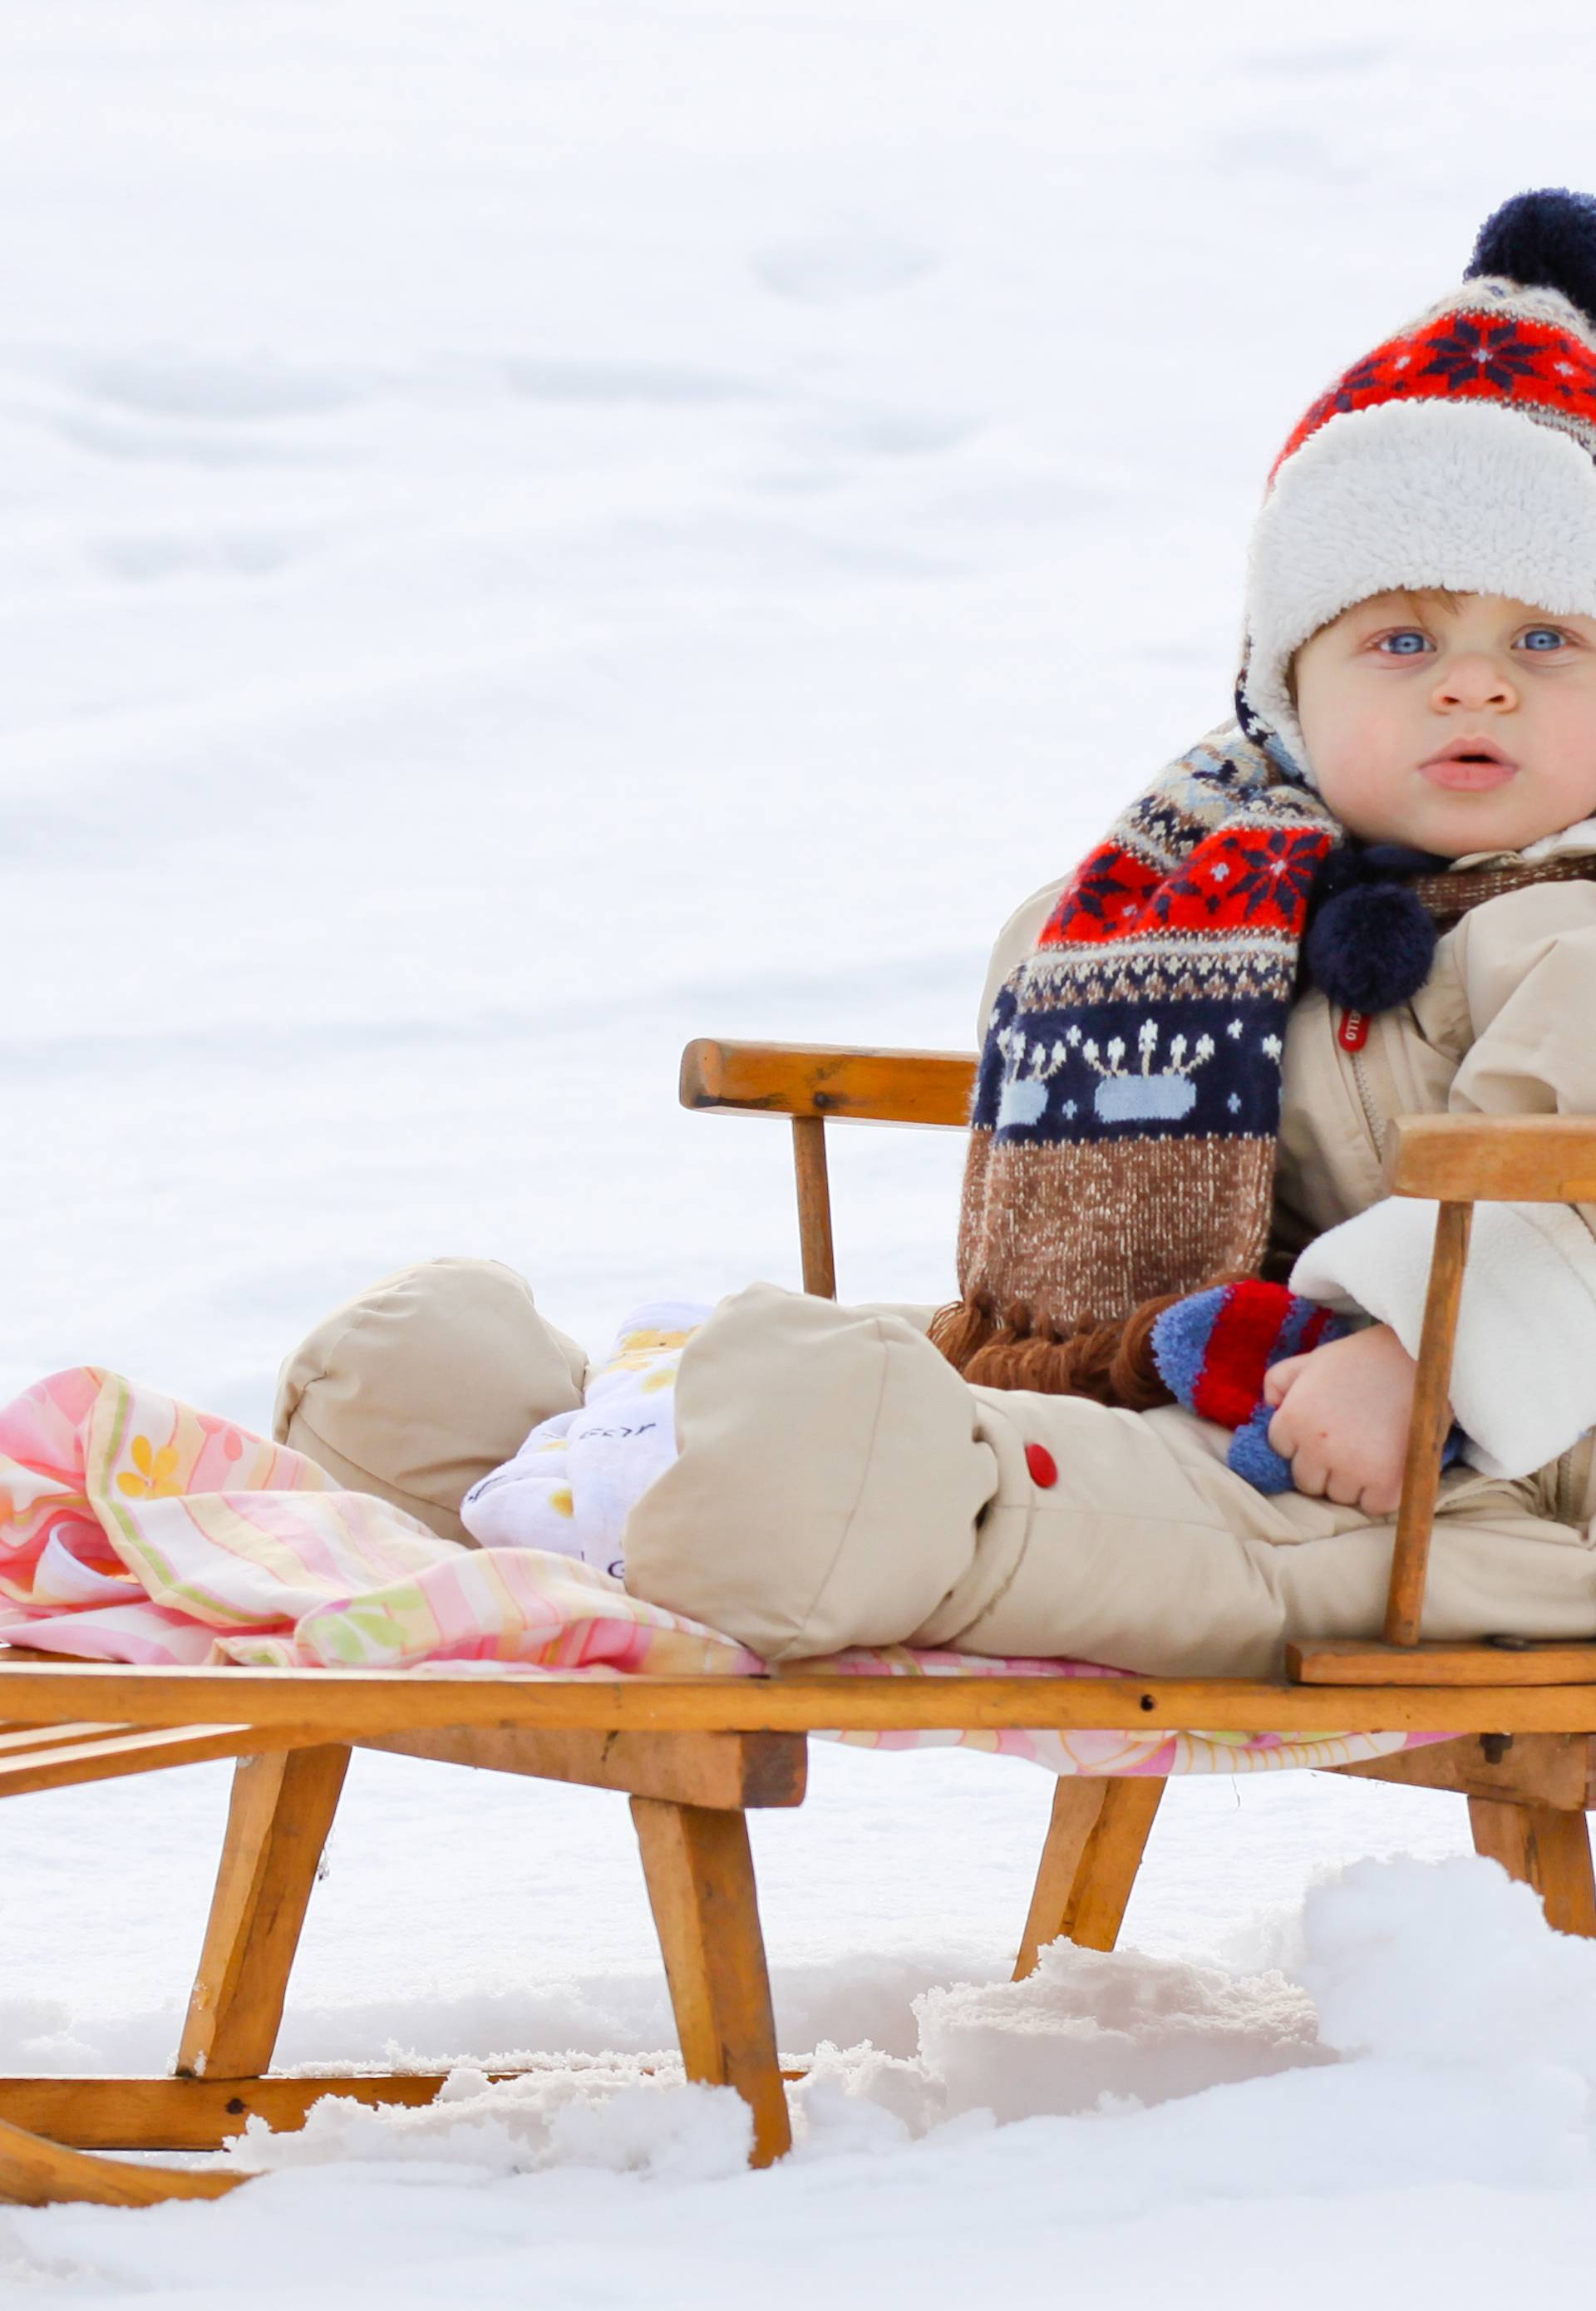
1476	678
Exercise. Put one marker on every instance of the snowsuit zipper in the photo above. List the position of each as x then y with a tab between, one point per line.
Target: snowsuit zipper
1371	1113
1352	1035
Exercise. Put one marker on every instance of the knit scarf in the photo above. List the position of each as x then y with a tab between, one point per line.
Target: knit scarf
1126	1108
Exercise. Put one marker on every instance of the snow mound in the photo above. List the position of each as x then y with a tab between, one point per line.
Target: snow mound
1510	1991
615	2116
1087	2030
847	2000
1089	2025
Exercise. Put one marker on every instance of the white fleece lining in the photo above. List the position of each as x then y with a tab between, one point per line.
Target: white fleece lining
1468	496
1524	1377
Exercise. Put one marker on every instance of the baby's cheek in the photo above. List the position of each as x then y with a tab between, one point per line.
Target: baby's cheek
1357	781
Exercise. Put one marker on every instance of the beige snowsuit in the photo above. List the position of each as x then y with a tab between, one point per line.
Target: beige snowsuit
838	1483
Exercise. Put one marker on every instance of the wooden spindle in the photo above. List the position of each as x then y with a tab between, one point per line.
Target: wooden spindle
1427	1429
815	1206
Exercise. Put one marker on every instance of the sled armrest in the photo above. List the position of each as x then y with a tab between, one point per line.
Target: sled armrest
1488	1159
1460	1161
855	1084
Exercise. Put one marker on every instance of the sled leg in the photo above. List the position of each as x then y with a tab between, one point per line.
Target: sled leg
283	1808
1089	1861
34	2173
700	1874
1546	1847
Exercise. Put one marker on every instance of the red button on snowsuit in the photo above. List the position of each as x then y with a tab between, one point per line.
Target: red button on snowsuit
1043	1467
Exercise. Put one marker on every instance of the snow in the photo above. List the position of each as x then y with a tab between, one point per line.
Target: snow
531	534
1208	2131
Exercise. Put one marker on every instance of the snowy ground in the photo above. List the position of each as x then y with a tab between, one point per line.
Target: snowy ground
531	532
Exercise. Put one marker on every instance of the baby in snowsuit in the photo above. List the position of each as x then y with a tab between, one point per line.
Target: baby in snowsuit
1189	1057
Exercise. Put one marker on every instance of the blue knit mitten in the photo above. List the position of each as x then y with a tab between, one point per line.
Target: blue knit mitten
1213	1349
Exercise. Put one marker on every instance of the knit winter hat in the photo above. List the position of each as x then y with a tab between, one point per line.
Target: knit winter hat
1462	453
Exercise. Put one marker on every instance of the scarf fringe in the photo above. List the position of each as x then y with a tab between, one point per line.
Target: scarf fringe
1111	1363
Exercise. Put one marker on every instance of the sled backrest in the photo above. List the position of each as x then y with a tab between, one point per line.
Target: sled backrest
814	1083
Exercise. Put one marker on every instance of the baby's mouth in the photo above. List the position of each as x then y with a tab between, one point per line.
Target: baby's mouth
1468	766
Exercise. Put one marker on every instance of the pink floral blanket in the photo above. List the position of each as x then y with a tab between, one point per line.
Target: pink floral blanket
135	1529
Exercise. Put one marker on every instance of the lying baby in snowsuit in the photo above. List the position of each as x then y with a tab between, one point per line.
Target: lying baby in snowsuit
1374	893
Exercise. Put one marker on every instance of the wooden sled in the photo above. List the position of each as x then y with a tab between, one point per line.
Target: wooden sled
696	1754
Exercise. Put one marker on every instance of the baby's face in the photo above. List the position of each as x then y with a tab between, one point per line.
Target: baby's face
1457	725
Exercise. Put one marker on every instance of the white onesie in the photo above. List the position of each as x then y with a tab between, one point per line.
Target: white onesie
576	1478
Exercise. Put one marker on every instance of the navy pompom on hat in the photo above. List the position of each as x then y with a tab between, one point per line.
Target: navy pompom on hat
1542	240
1460	453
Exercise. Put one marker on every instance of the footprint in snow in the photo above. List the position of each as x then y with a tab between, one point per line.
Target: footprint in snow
850	259
183	385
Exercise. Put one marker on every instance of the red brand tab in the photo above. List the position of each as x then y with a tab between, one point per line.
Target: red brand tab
1353	1033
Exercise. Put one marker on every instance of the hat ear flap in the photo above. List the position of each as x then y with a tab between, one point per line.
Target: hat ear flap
1545	240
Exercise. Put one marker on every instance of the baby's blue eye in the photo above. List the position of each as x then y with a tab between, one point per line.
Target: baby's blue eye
1544	638
1409	643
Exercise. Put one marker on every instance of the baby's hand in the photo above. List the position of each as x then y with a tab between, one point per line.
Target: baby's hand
1343	1415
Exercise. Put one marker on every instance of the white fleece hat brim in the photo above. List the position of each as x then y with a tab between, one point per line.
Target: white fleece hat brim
1468	496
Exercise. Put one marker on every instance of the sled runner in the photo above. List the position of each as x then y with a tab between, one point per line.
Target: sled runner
695	1754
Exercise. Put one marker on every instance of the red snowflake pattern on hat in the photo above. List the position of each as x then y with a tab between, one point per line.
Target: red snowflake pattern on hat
1466	354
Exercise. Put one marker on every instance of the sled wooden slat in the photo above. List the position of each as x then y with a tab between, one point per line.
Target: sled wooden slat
115	1751
43	1737
149	2114
37	2173
731	1771
303	1706
861	1085
178	2114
